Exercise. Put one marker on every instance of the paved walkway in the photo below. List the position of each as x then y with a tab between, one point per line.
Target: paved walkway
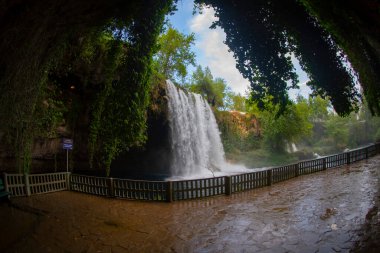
322	212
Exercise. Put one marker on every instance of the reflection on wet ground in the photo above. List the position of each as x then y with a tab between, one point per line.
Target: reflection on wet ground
322	212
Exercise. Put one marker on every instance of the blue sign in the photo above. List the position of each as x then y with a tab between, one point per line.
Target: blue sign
67	143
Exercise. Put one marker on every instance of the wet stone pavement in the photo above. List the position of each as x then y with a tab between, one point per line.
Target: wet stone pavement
321	212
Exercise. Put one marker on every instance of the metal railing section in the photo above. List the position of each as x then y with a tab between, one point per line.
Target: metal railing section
89	184
26	185
198	188
139	189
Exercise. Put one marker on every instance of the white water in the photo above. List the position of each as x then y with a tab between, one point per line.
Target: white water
291	148
196	147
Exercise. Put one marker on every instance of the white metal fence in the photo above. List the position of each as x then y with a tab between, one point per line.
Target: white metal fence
26	185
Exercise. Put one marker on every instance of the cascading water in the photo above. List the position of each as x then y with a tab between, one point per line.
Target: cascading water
291	147
196	147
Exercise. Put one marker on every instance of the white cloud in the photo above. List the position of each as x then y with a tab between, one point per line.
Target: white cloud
215	52
303	91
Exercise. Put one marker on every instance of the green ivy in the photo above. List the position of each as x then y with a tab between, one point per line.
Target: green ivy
123	54
119	115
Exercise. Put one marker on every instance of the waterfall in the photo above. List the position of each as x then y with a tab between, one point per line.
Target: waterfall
294	147
196	147
291	147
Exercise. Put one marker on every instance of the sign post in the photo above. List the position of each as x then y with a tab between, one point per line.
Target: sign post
68	145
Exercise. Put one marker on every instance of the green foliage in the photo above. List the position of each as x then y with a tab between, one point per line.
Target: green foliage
174	54
122	112
318	108
289	127
215	91
309	123
238	102
332	133
113	58
46	116
49	113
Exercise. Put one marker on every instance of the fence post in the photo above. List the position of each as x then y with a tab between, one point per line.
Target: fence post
27	185
68	175
169	191
227	185
324	163
348	159
269	177
6	186
111	192
297	165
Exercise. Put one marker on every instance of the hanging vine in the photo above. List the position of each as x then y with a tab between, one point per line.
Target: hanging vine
35	49
123	121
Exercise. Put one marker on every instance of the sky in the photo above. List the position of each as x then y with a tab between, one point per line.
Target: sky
212	52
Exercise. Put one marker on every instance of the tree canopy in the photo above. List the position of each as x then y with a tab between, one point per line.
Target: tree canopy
214	90
355	26
174	54
263	35
291	126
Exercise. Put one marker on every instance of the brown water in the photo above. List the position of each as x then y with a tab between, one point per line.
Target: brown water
322	212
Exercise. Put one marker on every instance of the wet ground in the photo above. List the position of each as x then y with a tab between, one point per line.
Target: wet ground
331	211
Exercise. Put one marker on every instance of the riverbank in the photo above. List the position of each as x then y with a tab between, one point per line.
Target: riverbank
322	212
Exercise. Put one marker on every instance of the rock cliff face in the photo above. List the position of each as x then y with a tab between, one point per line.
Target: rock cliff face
245	124
239	130
47	154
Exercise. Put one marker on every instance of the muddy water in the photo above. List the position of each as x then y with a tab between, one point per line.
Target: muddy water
322	212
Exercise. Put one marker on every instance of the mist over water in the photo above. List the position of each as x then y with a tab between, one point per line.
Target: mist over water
196	147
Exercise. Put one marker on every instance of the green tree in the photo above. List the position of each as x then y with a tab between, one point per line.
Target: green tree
237	102
318	108
214	90
174	54
289	127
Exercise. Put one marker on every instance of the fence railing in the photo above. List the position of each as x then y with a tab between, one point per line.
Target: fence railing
249	181
284	173
311	166
26	185
139	189
91	185
191	189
